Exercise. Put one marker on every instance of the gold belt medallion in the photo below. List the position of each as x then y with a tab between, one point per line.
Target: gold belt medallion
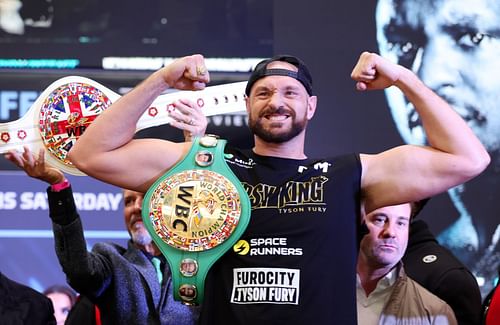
195	210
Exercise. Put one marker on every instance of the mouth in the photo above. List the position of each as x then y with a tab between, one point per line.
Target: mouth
388	246
136	223
469	114
276	115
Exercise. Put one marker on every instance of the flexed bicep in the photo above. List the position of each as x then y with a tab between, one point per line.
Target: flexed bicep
408	173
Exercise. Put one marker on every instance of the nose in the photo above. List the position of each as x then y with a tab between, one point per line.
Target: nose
138	204
434	62
389	230
276	100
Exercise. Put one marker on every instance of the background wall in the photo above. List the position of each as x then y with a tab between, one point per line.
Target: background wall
326	35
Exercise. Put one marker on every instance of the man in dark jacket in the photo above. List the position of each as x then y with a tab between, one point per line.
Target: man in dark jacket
20	304
122	281
439	271
125	283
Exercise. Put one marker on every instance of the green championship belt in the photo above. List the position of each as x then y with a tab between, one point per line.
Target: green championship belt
195	213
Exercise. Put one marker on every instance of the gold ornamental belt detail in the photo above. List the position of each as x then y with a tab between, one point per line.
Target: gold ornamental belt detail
195	210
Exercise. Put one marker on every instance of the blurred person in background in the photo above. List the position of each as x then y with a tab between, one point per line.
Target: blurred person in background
20	304
122	282
63	299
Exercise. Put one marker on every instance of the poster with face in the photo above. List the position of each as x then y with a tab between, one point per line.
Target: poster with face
453	47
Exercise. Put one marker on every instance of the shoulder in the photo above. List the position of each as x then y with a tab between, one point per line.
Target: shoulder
231	152
118	257
430	301
108	249
18	300
409	299
434	265
352	159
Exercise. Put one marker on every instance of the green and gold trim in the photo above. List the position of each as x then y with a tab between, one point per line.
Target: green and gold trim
195	213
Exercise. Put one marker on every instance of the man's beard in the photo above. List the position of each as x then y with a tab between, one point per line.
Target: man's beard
255	125
141	237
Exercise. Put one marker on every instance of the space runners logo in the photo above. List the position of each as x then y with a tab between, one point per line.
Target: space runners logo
265	246
242	247
265	285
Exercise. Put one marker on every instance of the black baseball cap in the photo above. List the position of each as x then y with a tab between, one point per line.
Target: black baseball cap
302	74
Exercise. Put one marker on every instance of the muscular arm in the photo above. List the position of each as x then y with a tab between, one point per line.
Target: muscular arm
409	173
107	150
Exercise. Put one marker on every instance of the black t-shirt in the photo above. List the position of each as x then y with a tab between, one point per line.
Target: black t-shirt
295	263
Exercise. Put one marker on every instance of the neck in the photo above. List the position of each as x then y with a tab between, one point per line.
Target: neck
292	149
370	276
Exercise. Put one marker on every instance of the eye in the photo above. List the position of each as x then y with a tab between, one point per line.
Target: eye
402	223
405	52
404	40
470	40
262	93
468	37
403	48
378	221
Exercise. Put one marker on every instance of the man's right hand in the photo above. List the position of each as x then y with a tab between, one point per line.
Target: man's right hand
187	73
35	166
373	72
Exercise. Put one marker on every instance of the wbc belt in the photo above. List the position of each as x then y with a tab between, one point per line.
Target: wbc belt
195	213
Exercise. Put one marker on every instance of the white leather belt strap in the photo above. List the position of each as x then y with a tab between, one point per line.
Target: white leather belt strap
64	109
